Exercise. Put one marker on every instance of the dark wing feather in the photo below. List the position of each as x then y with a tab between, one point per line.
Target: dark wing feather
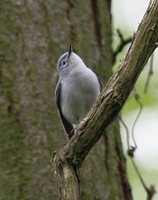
67	126
100	83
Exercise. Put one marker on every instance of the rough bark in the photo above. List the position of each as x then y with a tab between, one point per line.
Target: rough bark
32	36
113	96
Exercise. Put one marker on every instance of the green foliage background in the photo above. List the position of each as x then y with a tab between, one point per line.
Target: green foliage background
147	163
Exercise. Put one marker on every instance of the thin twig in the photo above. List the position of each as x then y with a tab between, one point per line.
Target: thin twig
139	175
122	44
130	149
127	131
149	190
150	73
137	98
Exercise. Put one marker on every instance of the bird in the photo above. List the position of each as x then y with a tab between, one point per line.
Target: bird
77	89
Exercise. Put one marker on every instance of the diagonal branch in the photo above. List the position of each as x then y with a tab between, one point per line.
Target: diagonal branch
113	97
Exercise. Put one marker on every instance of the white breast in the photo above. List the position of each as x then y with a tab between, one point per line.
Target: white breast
79	91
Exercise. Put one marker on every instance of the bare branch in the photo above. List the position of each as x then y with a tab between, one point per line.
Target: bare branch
150	73
117	89
114	95
149	190
123	43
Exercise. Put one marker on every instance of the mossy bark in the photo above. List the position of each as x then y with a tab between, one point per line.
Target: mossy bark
33	35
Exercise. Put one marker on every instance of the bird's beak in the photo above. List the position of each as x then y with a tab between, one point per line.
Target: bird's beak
70	50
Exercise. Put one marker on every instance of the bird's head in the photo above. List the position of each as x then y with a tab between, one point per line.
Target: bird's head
68	62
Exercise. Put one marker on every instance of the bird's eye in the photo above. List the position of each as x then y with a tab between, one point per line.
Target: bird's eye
63	62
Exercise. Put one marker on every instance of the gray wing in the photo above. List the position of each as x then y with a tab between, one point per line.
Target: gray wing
67	126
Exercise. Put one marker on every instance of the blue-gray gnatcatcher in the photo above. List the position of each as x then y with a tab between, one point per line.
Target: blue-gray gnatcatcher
77	89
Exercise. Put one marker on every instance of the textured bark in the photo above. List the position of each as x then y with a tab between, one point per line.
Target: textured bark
113	96
32	36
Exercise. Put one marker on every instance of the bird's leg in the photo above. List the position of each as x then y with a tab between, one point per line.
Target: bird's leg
73	131
75	126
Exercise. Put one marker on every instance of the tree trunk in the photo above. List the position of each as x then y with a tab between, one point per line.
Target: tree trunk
33	35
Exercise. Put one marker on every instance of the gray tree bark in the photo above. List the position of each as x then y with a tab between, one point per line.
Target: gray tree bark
33	34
